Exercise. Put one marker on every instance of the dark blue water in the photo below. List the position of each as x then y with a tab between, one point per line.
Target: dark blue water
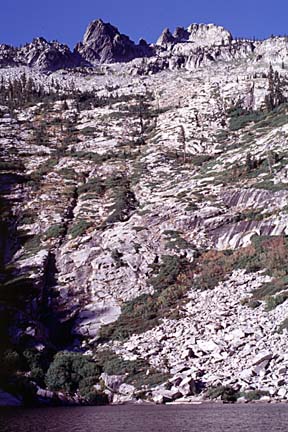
148	418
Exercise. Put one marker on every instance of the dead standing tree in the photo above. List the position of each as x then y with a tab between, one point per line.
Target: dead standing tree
182	140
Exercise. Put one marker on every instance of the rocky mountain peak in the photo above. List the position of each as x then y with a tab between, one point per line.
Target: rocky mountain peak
165	38
48	56
98	29
209	34
199	34
103	43
180	33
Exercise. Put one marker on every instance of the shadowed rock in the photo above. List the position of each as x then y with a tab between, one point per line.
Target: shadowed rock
103	43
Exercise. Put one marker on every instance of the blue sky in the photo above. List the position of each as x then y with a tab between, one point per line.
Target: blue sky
66	20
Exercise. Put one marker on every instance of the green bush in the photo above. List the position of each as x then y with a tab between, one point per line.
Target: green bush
273	187
166	272
135	370
115	365
33	245
54	231
225	393
273	301
254	394
92	185
68	370
79	228
141	379
38	376
10	362
68	173
239	117
96	398
124	204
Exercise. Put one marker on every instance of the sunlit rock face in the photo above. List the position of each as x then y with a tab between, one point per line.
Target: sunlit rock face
198	34
143	205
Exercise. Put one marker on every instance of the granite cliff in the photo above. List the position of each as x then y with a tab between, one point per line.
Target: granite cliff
144	218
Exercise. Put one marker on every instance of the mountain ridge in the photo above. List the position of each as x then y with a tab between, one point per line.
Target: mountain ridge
103	43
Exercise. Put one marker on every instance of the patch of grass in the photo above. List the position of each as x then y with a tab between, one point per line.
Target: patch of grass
273	301
254	395
93	185
32	245
273	187
55	231
68	173
239	118
79	228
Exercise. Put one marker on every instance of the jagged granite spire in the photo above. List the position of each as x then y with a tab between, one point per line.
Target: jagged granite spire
103	43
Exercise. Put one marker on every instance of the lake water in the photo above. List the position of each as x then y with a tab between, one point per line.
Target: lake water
148	418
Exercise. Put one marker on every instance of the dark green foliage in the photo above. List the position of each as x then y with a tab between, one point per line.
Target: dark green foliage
37	375
273	187
88	130
68	370
254	395
24	91
38	363
199	160
142	379
10	362
92	396
87	100
11	166
124	204
95	398
79	228
240	118
135	370
43	170
273	302
68	173
113	364
93	185
55	231
225	393
32	245
222	136
166	272
271	254
275	96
